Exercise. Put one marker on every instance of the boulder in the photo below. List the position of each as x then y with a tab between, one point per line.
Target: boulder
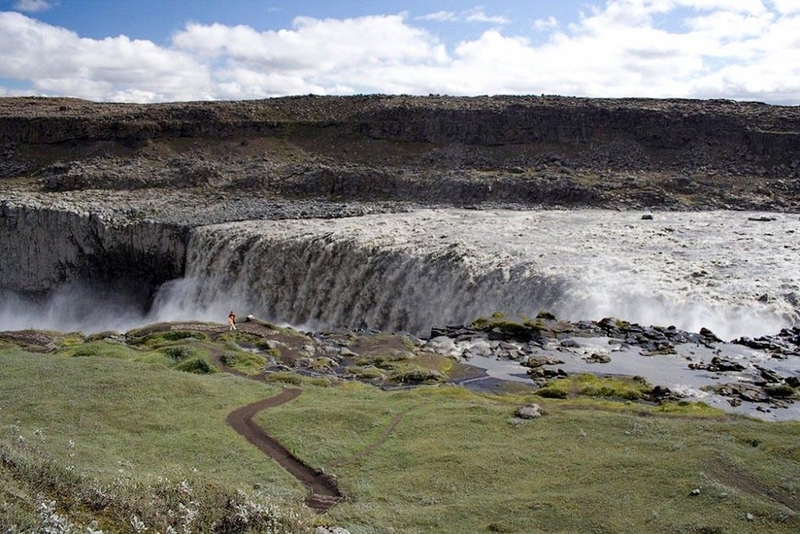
529	411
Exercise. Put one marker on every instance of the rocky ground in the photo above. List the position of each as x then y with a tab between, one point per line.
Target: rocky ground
534	352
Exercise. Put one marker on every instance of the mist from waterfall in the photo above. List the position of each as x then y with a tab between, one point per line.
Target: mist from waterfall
74	307
317	282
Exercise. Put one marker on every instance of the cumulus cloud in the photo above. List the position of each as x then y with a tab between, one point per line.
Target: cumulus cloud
740	49
786	7
59	62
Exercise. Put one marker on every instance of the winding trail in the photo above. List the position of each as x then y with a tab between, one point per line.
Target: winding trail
324	490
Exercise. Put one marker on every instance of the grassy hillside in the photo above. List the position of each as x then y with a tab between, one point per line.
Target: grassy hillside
457	462
118	433
123	427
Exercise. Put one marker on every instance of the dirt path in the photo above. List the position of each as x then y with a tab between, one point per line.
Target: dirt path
324	490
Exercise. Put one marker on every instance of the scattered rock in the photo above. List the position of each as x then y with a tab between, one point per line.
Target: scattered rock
529	411
598	358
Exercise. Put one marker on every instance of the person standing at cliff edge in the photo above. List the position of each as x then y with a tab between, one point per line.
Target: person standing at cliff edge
232	320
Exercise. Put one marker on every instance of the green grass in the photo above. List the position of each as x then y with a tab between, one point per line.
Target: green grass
458	462
142	419
428	459
589	385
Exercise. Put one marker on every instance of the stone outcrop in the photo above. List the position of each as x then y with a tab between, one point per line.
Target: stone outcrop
43	248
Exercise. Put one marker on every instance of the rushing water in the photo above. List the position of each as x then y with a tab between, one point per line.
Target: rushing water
719	270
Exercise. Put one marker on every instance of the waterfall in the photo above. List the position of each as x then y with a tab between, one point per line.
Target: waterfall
303	273
731	272
435	267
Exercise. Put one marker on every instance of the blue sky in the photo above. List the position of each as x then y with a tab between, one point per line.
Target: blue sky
176	50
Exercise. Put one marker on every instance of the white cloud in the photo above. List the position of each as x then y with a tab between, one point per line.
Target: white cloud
479	15
314	47
59	62
786	7
476	14
34	6
745	49
441	16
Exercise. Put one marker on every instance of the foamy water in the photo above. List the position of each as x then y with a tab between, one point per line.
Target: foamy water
718	270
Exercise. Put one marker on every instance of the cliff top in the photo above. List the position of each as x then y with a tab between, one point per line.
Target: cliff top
549	151
314	108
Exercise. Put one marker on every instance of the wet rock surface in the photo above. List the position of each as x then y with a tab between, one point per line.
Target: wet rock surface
492	356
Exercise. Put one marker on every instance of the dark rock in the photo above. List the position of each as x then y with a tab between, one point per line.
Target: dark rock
539	361
708	335
598	358
769	375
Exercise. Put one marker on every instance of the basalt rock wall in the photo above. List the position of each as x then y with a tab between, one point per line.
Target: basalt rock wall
41	249
668	128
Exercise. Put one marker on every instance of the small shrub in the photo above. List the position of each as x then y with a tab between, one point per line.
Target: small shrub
499	327
86	351
243	361
177	335
73	338
197	366
230	358
102	349
417	375
552	393
286	378
368	372
322	381
595	386
180	352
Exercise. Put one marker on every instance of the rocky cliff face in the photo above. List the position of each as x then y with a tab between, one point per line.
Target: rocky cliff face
535	150
43	248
